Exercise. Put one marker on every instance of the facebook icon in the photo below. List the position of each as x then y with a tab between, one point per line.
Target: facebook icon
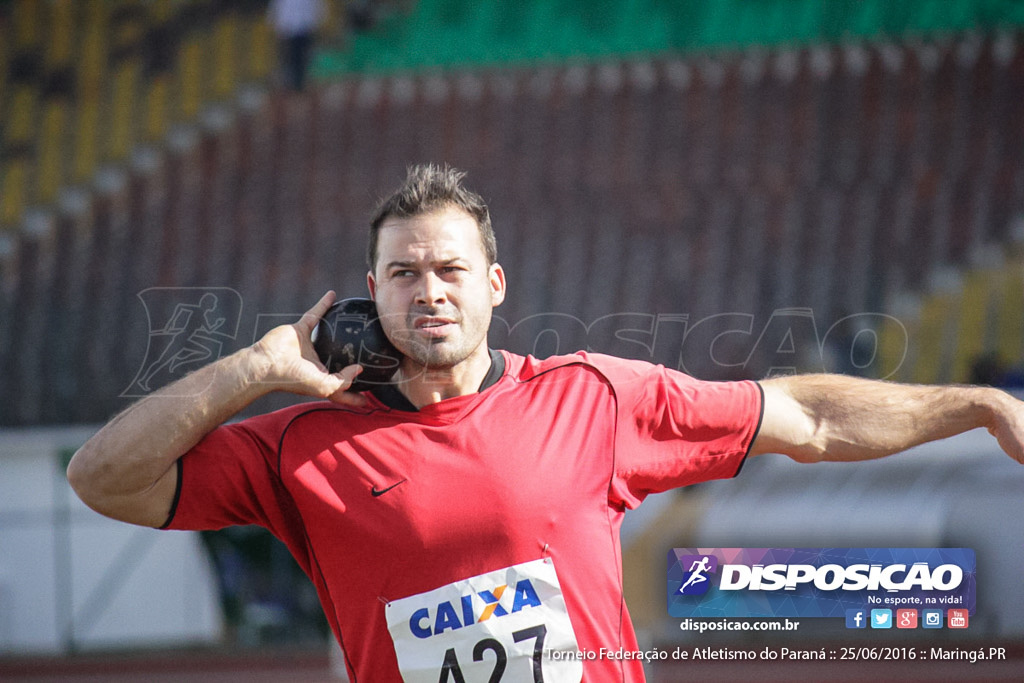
856	618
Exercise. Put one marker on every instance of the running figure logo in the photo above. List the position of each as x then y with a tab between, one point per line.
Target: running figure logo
695	581
188	327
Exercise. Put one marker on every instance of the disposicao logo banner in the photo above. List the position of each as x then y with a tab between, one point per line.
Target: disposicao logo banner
816	582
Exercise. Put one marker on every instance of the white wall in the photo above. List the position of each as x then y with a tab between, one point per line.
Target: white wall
72	579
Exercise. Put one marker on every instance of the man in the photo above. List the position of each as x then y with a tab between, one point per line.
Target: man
295	22
465	519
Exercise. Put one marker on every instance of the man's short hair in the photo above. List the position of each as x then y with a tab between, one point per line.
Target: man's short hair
428	188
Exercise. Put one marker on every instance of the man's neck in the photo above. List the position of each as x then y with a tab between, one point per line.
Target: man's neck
424	385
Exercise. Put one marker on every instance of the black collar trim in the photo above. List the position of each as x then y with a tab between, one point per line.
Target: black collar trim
389	395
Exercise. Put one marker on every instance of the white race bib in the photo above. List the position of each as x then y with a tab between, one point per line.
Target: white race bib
506	625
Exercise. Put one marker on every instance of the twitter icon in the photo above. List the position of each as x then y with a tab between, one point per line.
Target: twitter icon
881	618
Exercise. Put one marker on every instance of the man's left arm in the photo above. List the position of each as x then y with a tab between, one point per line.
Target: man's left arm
814	418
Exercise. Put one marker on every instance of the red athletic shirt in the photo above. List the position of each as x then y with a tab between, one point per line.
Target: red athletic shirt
379	504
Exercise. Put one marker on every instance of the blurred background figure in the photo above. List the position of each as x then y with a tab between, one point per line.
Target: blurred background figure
296	22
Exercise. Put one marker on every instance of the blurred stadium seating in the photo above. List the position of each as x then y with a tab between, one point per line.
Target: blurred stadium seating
87	82
828	178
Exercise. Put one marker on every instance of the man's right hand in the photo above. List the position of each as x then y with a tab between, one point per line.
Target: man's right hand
285	360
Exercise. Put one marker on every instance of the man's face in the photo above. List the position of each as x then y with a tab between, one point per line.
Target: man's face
433	287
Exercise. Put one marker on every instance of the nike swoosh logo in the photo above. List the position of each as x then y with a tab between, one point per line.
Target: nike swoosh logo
376	492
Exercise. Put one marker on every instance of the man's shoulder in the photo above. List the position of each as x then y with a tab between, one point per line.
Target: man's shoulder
611	368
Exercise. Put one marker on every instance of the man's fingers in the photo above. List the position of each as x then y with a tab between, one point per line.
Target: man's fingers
349	398
347	375
311	317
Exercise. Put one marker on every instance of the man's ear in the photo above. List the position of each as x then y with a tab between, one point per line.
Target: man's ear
496	275
371	285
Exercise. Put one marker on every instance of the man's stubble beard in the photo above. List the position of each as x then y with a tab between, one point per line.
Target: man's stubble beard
434	360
